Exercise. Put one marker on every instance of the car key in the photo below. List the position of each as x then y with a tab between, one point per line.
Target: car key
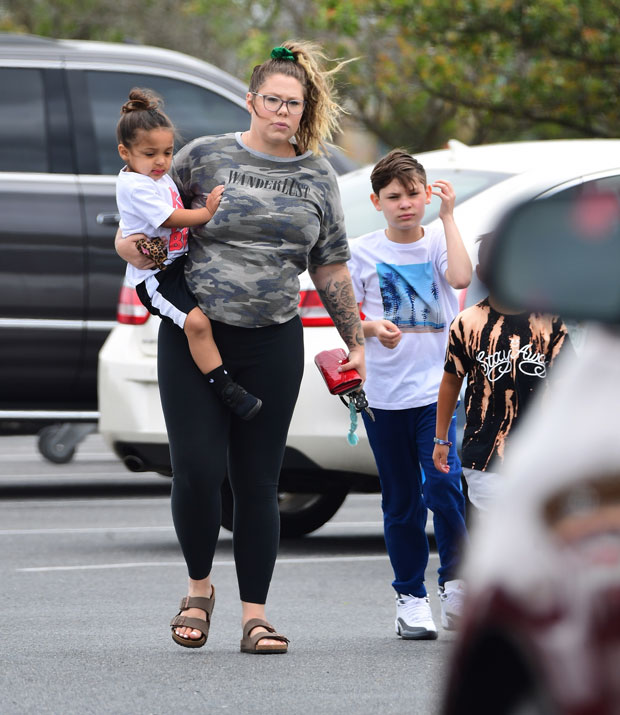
360	402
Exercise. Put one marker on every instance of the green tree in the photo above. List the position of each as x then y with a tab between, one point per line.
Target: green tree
481	70
212	31
427	70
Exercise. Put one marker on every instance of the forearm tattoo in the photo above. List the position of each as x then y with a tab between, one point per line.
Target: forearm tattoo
339	301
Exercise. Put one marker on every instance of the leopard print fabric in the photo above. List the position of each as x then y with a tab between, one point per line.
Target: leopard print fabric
156	248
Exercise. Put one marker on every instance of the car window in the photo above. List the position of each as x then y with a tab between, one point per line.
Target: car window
361	216
605	187
23	137
194	110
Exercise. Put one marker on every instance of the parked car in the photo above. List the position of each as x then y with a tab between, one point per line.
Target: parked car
59	274
540	632
320	467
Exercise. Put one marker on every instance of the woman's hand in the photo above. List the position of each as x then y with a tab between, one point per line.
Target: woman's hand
333	283
126	249
356	361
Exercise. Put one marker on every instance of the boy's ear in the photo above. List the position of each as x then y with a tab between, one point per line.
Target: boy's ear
122	150
375	201
429	194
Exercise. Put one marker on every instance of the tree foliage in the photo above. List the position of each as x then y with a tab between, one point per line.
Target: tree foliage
213	31
480	70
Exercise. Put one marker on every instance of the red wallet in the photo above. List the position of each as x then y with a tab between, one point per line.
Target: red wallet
338	383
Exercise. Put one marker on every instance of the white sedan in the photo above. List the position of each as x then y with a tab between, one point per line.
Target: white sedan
320	465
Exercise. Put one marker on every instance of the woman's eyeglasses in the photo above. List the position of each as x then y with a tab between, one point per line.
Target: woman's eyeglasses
273	104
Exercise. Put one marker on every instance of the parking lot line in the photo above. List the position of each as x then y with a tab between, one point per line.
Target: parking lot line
71	476
85	530
81	503
130	529
333	524
34	457
158	564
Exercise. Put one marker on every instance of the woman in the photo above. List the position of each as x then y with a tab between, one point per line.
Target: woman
280	214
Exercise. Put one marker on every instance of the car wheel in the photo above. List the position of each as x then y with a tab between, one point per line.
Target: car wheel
57	442
52	445
299	513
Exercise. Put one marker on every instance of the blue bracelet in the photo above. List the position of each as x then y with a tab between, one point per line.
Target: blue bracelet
443	442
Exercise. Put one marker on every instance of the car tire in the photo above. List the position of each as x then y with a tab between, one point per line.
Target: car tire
300	514
53	447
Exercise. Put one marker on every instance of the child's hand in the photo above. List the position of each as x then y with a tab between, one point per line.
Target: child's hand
388	334
446	193
440	458
128	250
214	198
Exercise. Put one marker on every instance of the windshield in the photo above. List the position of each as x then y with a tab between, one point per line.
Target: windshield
361	216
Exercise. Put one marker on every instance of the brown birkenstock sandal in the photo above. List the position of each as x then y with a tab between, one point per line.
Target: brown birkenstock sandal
200	624
252	644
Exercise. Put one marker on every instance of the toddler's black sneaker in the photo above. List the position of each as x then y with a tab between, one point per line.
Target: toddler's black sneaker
240	402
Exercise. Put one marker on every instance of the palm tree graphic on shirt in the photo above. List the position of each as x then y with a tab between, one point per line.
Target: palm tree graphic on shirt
411	297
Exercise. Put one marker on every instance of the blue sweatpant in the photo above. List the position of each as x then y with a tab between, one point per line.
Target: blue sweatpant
402	441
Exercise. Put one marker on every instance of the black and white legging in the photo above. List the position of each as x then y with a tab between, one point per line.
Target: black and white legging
205	438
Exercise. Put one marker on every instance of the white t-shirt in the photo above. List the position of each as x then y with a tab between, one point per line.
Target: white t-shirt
144	204
406	284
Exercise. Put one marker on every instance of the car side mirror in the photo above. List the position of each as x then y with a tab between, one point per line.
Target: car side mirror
560	255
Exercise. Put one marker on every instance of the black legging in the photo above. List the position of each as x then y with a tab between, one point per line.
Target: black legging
204	436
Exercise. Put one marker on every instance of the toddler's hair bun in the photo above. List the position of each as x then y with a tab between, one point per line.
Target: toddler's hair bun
141	100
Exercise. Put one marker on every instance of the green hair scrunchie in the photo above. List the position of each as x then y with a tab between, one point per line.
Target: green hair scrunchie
282	53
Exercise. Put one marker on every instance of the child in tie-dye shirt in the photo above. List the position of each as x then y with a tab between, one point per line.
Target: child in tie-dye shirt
506	357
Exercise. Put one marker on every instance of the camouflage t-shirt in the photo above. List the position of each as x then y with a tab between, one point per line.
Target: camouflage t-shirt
505	358
277	216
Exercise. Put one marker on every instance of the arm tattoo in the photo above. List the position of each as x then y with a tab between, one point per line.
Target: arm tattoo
339	301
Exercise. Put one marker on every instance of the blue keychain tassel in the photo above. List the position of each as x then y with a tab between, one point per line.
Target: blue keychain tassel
357	403
352	438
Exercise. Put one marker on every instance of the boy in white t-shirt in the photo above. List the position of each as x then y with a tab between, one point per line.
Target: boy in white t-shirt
404	278
149	203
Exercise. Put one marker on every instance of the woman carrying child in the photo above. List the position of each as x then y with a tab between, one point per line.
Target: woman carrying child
279	215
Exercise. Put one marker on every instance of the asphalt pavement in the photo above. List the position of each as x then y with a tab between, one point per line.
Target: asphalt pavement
91	574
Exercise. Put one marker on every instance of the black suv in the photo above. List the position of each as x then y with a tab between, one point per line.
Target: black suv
59	274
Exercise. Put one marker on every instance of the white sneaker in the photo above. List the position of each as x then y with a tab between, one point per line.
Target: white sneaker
451	596
414	620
